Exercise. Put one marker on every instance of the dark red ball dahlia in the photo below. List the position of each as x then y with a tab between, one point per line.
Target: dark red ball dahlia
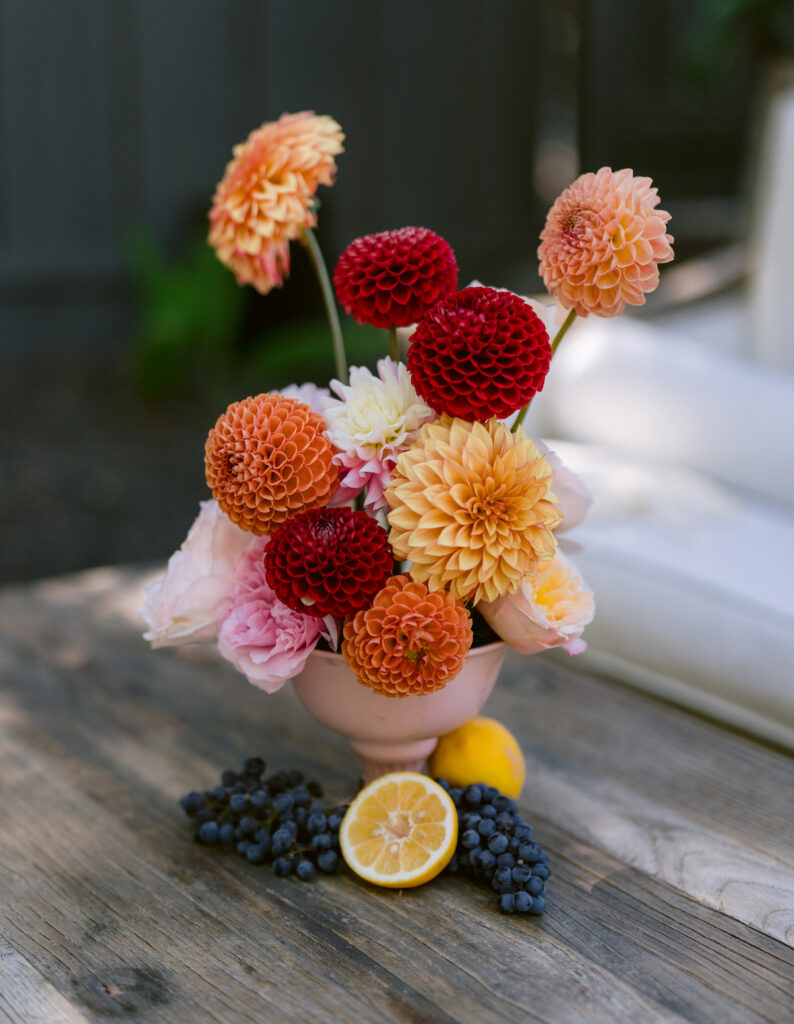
479	353
392	278
329	561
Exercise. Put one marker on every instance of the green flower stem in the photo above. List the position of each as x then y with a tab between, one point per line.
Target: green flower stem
394	345
561	333
554	346
320	269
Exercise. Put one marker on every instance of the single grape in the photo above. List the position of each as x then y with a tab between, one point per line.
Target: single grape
498	843
522	902
192	802
327	861
507	903
238	802
254	766
305	870
247	826
301	796
256	853
208	832
282	802
316	823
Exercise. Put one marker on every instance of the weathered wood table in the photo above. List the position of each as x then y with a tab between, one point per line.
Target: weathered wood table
671	897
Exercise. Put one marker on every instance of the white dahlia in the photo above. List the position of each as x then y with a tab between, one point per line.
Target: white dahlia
372	421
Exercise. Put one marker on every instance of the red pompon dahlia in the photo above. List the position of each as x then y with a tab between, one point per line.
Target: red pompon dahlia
329	561
478	353
392	278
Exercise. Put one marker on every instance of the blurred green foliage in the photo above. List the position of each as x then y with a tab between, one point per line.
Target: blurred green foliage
190	313
191	319
721	31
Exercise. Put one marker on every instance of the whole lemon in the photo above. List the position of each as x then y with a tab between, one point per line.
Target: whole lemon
481	750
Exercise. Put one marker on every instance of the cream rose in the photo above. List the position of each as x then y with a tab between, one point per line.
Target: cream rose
551	609
188	604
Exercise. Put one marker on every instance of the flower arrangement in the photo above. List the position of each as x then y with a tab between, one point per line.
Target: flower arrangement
388	516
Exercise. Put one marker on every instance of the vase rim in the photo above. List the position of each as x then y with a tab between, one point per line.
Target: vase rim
473	651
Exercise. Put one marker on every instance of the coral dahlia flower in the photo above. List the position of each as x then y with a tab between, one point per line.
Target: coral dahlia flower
391	278
267	459
472	509
371	422
603	241
410	642
265	197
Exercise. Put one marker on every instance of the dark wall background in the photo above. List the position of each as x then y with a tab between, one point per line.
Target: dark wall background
465	116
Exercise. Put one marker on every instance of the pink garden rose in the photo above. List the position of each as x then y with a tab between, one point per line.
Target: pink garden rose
263	638
187	605
549	610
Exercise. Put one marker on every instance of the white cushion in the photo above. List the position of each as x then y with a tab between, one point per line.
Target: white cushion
645	391
694	589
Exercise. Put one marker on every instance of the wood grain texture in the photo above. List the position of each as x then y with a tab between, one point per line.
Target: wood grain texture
109	911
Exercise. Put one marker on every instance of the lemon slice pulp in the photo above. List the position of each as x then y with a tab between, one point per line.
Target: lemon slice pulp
400	831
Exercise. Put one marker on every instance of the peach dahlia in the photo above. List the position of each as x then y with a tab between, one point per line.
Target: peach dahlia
265	197
472	509
603	241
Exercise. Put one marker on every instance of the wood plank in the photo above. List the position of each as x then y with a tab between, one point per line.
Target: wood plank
663	790
25	998
111	905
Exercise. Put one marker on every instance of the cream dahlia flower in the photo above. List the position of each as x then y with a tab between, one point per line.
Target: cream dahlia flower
550	609
372	421
602	242
472	508
265	197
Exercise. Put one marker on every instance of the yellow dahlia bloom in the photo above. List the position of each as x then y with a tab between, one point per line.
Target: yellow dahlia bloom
472	508
264	199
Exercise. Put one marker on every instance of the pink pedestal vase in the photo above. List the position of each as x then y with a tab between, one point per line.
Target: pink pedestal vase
391	733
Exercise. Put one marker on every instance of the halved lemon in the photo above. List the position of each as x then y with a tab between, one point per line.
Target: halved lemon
400	831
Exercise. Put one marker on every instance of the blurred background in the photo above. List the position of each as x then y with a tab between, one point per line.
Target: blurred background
122	338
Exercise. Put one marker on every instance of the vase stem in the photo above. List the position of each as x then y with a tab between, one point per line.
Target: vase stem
381	758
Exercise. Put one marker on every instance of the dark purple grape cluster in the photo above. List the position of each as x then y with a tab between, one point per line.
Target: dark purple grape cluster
276	819
496	846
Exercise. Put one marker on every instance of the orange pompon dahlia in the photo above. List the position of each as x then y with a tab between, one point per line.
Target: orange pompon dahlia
603	241
472	508
410	642
267	459
264	199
